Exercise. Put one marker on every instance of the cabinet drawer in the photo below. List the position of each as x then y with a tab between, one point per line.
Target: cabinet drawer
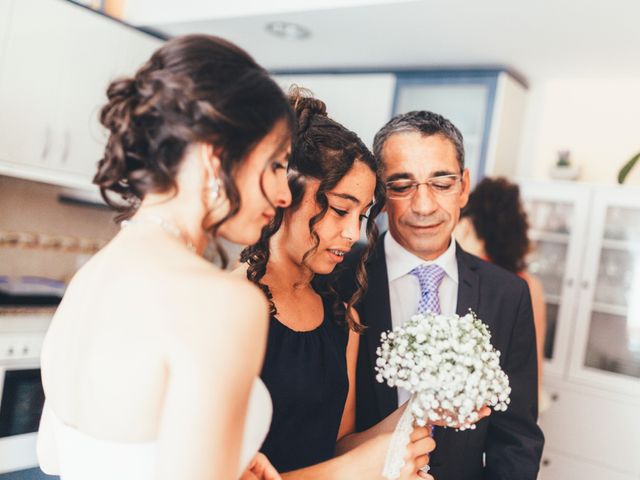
593	427
556	466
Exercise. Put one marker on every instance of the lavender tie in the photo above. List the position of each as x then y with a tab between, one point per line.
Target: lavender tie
430	277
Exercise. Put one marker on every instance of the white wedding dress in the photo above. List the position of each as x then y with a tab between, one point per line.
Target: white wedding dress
82	457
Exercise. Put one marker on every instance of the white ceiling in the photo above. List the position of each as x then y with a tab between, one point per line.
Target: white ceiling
539	39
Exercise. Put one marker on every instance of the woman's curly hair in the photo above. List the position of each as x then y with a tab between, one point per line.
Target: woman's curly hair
499	219
326	151
195	88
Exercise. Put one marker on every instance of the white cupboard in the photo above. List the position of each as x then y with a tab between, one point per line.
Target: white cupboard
361	102
53	80
587	255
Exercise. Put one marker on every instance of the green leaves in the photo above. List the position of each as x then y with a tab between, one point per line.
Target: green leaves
624	171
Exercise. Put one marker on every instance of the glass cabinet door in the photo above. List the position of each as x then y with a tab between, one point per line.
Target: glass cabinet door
608	333
550	226
556	228
465	99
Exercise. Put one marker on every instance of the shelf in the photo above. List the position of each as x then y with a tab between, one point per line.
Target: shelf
610	309
544	236
624	245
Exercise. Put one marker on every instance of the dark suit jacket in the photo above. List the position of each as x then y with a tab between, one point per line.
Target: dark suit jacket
511	440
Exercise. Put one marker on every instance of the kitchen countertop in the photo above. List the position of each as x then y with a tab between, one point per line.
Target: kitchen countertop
31	474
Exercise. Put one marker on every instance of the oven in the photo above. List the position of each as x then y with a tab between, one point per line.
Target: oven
21	393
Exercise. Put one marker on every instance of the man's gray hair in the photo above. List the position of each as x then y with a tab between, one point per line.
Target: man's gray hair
423	122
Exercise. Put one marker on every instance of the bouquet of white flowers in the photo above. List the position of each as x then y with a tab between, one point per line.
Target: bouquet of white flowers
450	368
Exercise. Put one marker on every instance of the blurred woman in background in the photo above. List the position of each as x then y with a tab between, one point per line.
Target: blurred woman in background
493	226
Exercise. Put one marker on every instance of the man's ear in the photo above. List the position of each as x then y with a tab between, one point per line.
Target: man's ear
466	188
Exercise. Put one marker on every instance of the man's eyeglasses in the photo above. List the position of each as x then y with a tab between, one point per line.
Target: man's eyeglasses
441	186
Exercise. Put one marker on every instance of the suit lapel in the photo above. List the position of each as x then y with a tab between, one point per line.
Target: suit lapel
468	282
377	312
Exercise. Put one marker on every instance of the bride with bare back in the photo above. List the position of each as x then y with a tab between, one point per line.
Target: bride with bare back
141	365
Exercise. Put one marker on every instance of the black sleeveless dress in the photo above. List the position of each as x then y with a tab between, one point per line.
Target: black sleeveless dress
306	375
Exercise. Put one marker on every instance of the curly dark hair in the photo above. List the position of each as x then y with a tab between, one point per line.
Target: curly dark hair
195	88
499	219
323	150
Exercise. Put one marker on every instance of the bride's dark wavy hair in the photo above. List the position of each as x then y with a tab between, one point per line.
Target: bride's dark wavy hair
195	88
326	151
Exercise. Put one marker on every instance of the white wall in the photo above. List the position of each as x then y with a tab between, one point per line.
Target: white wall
598	120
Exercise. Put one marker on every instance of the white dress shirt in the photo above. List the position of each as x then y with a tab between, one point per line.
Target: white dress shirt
404	288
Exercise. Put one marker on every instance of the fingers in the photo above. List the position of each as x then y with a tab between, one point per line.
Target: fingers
270	473
421	461
484	412
262	469
249	475
422	447
419	433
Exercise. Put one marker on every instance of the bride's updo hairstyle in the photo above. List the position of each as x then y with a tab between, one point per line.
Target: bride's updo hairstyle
195	88
323	150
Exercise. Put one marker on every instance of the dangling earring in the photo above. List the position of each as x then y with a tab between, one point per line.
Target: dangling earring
214	189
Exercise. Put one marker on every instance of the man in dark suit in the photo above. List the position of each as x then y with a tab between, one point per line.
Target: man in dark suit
417	263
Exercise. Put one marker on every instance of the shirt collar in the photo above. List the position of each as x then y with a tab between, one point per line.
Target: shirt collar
400	261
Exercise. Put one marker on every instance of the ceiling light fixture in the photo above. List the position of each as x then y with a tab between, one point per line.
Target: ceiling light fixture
288	30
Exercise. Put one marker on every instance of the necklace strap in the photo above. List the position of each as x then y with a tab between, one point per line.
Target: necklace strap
162	223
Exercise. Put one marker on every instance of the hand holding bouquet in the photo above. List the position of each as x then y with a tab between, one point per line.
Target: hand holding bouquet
450	368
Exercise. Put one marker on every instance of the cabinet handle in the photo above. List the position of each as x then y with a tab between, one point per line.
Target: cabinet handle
555	397
47	143
585	284
546	462
67	144
569	282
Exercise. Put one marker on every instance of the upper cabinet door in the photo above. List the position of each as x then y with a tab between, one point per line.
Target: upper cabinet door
5	17
607	337
486	106
59	60
30	82
97	52
557	214
361	102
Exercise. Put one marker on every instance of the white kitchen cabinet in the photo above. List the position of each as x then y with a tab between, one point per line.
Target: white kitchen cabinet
361	102
485	105
5	13
114	51
607	334
558	222
587	255
557	466
591	424
54	77
30	84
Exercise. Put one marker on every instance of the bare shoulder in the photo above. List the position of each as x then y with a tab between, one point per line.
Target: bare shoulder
219	307
535	285
240	271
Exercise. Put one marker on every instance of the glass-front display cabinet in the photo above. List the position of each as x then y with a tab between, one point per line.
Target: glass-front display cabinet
607	334
557	223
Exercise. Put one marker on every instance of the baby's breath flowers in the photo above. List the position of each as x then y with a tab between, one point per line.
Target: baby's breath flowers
448	365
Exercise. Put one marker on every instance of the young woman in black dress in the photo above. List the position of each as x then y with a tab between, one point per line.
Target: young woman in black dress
312	347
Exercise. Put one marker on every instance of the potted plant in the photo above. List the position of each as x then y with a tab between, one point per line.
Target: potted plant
563	169
626	168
